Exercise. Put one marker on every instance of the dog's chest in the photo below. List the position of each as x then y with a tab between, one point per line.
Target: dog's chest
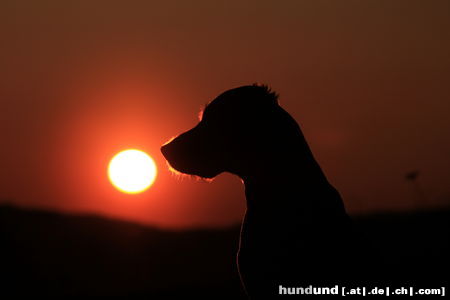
263	233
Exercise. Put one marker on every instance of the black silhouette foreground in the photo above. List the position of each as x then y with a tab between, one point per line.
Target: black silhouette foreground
295	229
49	254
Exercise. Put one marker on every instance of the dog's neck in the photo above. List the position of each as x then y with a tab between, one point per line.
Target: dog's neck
283	179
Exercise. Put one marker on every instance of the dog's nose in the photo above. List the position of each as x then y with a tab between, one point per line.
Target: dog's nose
164	150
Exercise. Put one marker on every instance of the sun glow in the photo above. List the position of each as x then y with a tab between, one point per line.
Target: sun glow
132	171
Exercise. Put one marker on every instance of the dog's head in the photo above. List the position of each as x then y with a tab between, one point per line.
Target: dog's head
236	130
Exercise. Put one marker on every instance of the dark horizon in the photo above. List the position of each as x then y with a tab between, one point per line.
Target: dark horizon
5	204
93	255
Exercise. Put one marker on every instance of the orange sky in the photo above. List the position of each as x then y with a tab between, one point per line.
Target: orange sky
367	80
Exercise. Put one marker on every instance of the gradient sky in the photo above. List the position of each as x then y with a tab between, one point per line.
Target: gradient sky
81	80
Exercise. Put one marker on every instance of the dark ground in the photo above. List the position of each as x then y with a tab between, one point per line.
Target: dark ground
46	253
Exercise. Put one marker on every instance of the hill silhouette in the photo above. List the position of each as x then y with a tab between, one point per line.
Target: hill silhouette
55	254
47	253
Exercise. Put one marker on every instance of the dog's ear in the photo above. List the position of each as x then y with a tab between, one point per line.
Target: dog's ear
281	128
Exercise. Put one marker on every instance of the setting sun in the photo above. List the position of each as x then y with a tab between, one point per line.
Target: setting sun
132	171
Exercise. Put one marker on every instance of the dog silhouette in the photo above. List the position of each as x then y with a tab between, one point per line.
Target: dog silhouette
295	230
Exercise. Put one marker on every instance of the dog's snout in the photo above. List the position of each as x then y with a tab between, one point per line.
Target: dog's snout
189	153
